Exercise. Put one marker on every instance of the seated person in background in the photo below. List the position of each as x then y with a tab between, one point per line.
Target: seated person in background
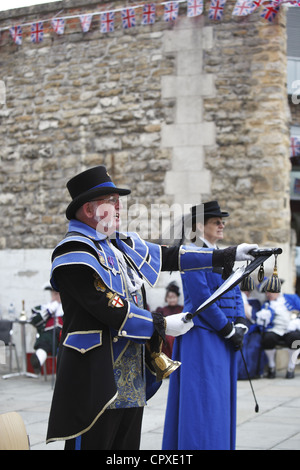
45	318
171	298
278	325
253	354
251	306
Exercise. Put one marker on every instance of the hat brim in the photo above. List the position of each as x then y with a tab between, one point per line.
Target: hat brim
216	214
92	194
208	215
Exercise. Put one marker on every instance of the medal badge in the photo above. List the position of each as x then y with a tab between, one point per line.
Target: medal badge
101	258
99	284
112	264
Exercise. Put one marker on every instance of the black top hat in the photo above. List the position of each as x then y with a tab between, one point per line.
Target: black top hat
208	209
88	185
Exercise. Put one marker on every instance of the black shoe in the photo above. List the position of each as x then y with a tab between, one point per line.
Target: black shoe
35	364
290	374
271	373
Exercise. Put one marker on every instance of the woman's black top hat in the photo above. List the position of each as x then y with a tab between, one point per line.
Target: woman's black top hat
89	185
208	209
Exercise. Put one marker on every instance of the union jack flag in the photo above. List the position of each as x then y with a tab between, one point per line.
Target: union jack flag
107	22
16	34
37	32
85	21
296	186
242	8
194	8
216	9
270	12
256	4
294	147
128	18
58	25
171	11
148	14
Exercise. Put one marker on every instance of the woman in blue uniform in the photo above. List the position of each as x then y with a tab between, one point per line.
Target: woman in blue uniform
201	408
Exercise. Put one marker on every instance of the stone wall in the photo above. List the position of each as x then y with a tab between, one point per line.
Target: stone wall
73	102
250	163
179	112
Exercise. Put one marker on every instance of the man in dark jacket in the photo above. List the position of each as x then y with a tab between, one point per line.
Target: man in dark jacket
105	362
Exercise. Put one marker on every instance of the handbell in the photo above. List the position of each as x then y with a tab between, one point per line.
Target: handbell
163	365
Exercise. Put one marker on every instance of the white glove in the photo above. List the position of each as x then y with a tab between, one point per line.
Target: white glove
176	326
263	317
294	325
243	250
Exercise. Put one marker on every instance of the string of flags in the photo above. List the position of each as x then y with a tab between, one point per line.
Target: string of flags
294	146
270	9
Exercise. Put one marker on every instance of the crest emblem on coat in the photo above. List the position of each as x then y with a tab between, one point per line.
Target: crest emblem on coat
115	300
99	284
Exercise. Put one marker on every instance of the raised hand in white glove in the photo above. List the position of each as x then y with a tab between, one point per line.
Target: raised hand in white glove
175	326
242	252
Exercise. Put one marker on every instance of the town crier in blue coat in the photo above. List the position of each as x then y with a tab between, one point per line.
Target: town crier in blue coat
201	408
104	371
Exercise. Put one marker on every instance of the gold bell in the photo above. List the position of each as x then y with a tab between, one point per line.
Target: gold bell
163	365
158	361
274	284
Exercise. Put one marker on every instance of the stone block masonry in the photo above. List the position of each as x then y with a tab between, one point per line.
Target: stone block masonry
190	134
250	163
73	102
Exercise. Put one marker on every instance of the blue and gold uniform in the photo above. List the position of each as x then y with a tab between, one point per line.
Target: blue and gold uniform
106	326
103	371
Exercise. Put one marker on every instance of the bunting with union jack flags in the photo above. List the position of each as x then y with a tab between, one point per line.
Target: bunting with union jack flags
216	9
107	22
194	8
148	14
58	25
85	21
37	32
128	18
171	11
16	34
294	146
242	8
270	12
256	4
